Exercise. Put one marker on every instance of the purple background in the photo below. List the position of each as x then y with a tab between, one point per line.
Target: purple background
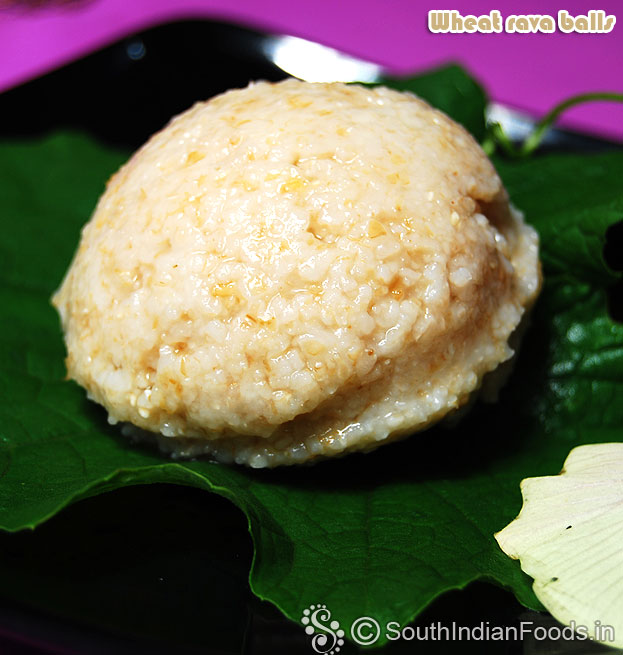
531	72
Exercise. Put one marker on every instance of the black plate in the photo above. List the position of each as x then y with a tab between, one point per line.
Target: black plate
163	569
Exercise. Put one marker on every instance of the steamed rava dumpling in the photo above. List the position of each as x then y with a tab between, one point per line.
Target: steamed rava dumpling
292	271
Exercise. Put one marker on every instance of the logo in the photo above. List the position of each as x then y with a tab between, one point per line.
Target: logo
365	631
327	636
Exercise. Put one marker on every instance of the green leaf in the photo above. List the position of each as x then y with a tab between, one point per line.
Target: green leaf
453	91
571	203
380	535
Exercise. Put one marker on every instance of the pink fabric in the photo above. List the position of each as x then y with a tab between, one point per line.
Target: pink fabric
528	71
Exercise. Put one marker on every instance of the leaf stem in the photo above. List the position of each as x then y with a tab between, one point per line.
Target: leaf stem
497	136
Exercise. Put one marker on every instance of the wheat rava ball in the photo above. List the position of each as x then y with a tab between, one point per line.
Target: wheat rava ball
294	270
